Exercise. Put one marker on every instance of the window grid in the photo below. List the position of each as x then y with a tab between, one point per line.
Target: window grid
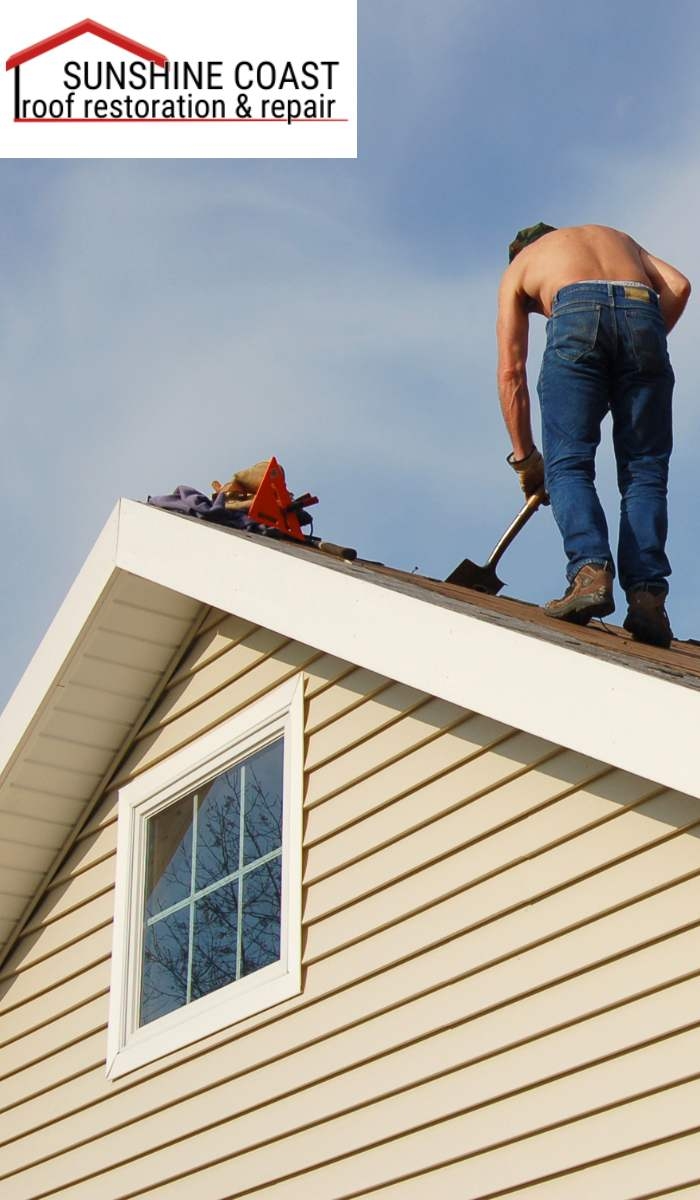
235	876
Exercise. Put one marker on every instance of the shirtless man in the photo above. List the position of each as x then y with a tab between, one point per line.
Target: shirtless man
609	305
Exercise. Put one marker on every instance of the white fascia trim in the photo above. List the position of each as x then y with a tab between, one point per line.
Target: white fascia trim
631	720
130	1047
60	640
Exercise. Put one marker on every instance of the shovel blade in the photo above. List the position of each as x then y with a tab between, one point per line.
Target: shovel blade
480	579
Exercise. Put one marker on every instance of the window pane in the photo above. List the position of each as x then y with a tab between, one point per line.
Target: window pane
206	941
263	802
219	829
261	916
164	984
169	856
214	940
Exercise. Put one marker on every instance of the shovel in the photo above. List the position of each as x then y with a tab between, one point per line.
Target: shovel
484	579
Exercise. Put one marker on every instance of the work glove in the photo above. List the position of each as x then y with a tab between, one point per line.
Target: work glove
530	471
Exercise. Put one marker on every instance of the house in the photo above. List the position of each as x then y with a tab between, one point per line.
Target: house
322	880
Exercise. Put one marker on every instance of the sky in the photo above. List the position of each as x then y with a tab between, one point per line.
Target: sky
167	322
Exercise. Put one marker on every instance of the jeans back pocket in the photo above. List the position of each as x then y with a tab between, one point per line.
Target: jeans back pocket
575	330
647	335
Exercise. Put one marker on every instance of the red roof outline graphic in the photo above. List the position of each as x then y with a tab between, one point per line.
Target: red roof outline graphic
73	31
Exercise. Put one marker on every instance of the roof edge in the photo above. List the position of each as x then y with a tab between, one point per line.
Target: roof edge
638	722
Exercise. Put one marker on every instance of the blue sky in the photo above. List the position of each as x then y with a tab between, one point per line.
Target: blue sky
169	322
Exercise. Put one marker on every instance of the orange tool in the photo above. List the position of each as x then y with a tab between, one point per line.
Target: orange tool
275	506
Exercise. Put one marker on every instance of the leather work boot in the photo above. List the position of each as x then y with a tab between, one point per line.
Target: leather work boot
590	595
647	619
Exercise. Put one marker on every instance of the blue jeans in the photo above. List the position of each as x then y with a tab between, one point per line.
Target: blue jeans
606	349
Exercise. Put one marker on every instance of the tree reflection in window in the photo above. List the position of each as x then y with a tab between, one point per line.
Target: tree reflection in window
212	904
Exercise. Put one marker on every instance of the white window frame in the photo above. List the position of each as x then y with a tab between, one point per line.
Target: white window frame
278	714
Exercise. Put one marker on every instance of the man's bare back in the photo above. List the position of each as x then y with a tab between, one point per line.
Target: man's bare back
538	271
587	252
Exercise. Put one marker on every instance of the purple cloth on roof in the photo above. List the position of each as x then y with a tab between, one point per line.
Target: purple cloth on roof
192	503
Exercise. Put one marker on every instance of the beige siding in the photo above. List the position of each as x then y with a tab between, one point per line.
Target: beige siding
501	986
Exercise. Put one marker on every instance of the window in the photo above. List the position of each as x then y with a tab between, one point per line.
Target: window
208	903
212	899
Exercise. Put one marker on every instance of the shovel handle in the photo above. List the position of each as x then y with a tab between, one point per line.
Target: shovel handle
530	506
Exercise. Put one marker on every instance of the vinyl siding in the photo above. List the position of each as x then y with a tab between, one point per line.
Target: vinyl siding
501	974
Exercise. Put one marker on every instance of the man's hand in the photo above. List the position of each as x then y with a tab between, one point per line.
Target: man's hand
530	471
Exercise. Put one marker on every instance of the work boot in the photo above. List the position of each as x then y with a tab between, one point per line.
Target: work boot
647	619
590	595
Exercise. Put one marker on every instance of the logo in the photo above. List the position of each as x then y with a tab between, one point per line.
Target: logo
232	84
61	109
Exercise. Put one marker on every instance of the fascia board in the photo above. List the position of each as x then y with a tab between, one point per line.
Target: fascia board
58	644
638	722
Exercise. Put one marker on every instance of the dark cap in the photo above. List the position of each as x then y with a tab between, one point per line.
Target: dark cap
530	234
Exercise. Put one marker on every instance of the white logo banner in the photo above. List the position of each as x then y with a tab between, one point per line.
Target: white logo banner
273	79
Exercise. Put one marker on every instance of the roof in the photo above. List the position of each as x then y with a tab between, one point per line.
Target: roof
152	576
73	31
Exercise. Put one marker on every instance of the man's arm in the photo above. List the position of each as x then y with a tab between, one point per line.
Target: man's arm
512	329
672	286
